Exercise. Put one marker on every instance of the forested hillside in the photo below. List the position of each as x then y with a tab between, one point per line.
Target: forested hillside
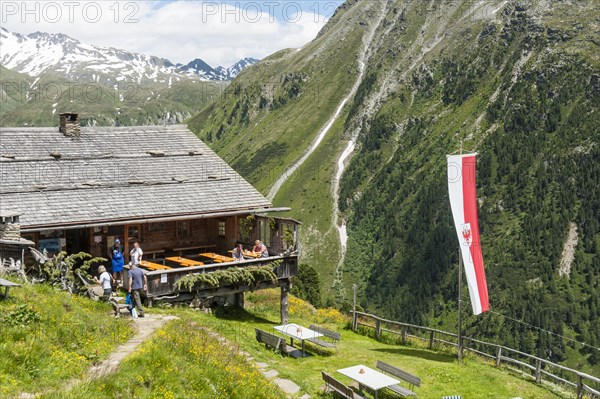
523	90
517	82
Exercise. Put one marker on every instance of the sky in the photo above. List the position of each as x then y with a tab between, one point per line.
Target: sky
219	32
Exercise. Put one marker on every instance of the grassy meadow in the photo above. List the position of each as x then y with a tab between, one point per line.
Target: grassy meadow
50	338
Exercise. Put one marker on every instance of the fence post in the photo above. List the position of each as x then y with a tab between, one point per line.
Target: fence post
579	387
499	356
431	334
538	371
377	329
354	318
403	335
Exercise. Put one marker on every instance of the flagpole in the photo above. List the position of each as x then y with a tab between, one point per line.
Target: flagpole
460	341
460	266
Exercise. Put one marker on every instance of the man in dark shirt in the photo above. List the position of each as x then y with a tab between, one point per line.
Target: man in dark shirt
137	283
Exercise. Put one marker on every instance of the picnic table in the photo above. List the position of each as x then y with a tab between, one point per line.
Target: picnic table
184	261
7	285
153	266
216	257
248	254
368	377
294	330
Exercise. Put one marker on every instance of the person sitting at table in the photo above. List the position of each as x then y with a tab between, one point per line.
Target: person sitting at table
261	248
238	252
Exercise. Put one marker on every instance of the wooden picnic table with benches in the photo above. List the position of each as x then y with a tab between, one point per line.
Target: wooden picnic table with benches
7	285
412	380
216	257
184	261
303	334
273	341
369	378
153	266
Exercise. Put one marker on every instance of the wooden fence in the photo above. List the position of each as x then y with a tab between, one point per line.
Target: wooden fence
540	368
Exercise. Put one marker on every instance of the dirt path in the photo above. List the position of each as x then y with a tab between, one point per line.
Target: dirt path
145	327
289	387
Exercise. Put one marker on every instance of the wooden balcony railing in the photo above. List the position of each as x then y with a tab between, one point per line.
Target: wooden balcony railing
163	282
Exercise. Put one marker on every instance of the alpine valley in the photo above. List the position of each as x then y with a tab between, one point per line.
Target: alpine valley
352	132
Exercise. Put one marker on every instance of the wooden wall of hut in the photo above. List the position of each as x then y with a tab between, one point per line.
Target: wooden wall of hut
222	232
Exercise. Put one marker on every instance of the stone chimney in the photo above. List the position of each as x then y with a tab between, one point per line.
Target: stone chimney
10	228
69	124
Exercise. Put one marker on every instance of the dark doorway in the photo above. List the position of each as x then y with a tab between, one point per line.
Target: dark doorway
77	240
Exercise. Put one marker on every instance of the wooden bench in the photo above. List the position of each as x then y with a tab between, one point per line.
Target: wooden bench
334	336
341	389
7	285
194	248
154	253
216	257
274	342
403	375
120	309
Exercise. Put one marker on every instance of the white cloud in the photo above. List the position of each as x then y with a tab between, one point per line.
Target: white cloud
219	33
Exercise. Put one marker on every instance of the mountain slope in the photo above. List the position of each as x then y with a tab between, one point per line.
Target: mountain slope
518	82
271	114
28	101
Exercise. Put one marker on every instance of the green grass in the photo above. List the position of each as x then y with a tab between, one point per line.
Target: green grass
181	361
48	337
439	369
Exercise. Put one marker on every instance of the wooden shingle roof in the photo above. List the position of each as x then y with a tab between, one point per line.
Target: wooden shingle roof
111	174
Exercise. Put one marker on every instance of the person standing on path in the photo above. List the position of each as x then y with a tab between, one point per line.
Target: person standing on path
105	280
137	283
118	260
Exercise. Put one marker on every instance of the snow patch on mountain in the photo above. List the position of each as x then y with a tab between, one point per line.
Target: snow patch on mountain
40	53
199	67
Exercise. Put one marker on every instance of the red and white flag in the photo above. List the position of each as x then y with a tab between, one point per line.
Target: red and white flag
461	189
